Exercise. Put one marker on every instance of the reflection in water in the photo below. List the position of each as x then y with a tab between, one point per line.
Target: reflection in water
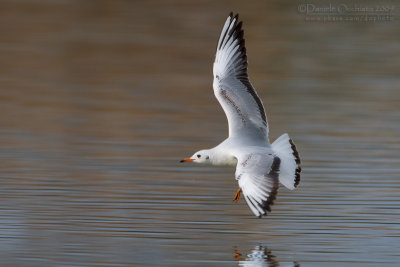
260	256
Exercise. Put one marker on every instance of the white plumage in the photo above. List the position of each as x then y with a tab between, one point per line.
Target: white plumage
260	166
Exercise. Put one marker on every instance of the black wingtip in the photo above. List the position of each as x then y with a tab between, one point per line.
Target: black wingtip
236	16
239	28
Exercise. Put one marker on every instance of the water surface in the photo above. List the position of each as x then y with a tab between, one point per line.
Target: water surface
101	99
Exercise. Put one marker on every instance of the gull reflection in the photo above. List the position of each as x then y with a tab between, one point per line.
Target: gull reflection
260	256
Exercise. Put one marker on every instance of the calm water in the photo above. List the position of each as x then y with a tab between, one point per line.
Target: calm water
99	100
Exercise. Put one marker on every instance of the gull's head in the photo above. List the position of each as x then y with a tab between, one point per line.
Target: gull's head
202	156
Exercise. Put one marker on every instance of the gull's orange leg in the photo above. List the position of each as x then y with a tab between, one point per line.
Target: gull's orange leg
238	255
237	196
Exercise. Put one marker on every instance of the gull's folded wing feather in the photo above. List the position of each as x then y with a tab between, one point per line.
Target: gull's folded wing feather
258	177
242	106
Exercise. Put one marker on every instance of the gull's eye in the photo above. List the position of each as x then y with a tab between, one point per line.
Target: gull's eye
207	157
198	155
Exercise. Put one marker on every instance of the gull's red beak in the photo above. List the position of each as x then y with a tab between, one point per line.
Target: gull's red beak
187	160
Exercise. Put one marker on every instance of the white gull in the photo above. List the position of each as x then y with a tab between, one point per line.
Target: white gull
260	165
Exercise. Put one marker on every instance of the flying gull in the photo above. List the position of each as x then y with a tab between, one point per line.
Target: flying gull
260	165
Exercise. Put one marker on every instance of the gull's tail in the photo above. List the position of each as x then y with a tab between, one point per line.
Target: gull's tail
289	174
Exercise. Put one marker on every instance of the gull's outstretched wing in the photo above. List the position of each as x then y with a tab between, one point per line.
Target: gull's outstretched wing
258	177
242	106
